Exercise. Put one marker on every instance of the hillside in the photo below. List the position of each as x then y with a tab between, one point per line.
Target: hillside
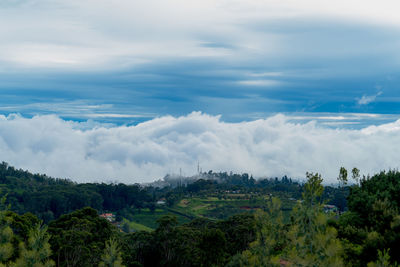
210	195
233	221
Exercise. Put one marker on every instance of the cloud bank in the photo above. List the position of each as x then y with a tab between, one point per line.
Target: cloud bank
145	152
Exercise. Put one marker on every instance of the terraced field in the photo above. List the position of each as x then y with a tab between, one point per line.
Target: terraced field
210	207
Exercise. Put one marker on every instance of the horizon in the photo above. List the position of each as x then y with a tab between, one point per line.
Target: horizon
189	178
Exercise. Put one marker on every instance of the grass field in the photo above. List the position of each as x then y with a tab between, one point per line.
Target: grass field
134	226
220	208
208	206
149	220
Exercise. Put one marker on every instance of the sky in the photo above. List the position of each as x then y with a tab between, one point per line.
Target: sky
123	90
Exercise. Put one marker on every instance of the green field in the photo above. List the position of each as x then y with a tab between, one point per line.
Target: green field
134	226
147	220
221	208
207	206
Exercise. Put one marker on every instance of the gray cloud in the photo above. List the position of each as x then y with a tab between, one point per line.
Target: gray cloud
93	35
145	152
162	57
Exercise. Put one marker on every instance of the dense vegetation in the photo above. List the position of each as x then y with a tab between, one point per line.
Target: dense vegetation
272	232
48	198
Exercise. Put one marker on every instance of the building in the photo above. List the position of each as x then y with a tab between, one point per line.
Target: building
108	216
330	208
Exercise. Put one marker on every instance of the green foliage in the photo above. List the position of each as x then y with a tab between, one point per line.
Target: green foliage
78	238
49	198
317	248
177	246
111	256
22	224
374	206
266	249
240	260
313	189
212	247
383	260
311	241
355	174
36	251
307	241
6	247
367	234
240	231
201	242
6	234
342	176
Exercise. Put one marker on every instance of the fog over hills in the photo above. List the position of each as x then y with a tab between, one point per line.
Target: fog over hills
146	152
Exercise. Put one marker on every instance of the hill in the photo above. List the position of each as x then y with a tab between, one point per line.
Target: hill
209	195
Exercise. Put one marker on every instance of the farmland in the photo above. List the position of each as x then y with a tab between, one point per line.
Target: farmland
207	206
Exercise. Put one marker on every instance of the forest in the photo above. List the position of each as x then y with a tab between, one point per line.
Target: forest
217	219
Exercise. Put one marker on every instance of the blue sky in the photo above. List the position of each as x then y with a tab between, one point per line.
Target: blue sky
128	62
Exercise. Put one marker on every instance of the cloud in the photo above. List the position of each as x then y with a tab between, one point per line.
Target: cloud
261	83
267	147
102	35
160	57
367	99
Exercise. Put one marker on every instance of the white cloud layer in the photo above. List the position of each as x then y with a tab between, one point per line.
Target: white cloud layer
145	152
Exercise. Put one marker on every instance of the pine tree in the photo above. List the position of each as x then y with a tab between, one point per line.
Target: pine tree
36	252
112	255
312	242
266	249
383	260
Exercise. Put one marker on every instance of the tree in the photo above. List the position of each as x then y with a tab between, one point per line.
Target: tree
266	249
213	245
36	252
176	245
22	224
111	256
374	205
383	260
313	190
342	176
355	174
6	235
240	231
78	238
311	241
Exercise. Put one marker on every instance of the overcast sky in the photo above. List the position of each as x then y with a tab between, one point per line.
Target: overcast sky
111	74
